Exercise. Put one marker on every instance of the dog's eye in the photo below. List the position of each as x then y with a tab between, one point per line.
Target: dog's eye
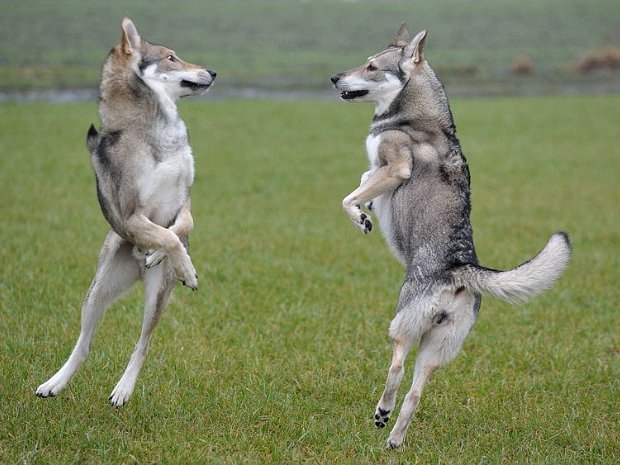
371	67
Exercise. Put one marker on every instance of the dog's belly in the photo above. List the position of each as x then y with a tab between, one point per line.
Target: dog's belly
166	187
415	239
418	221
382	206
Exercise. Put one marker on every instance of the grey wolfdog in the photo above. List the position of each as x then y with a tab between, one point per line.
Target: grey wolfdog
418	185
144	169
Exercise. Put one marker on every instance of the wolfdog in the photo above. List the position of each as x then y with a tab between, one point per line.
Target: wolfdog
144	168
418	186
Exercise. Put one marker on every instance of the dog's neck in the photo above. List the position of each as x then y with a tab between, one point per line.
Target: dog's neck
383	104
127	101
167	103
421	105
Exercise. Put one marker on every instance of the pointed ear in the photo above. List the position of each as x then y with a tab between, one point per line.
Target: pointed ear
130	40
415	49
402	37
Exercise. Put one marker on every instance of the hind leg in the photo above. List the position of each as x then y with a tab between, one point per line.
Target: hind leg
406	328
438	346
395	375
116	272
158	285
426	364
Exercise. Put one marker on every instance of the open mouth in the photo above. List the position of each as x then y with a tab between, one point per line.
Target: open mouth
351	94
194	86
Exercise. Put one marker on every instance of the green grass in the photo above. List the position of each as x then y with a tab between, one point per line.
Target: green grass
281	354
283	43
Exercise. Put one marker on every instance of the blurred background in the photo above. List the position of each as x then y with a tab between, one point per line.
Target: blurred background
290	47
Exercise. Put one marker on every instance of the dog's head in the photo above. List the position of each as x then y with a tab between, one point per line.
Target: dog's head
384	74
160	67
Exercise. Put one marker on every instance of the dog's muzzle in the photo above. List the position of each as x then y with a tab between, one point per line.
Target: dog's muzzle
347	94
203	82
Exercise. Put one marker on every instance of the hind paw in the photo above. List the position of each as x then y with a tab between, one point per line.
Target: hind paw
51	388
393	443
381	417
121	393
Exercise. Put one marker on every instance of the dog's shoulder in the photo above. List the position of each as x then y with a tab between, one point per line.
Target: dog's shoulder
392	146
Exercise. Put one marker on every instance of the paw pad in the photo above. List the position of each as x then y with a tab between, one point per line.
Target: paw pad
366	223
381	417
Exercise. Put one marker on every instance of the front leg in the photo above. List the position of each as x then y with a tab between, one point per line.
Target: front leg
184	222
363	222
365	176
148	235
381	181
182	226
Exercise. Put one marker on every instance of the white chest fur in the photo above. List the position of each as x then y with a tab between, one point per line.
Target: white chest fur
372	148
166	181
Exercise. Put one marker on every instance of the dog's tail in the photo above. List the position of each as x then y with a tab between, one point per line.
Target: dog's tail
526	280
92	139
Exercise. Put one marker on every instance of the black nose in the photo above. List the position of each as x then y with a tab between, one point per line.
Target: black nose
212	73
335	78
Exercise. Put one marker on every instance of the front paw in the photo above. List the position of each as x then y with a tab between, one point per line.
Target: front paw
184	270
365	224
360	219
355	214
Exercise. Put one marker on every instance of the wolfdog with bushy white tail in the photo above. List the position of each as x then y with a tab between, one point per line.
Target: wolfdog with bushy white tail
418	186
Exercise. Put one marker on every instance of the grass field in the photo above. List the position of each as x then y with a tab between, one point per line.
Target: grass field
290	44
281	354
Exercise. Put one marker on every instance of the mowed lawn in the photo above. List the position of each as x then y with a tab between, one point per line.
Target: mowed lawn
281	354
